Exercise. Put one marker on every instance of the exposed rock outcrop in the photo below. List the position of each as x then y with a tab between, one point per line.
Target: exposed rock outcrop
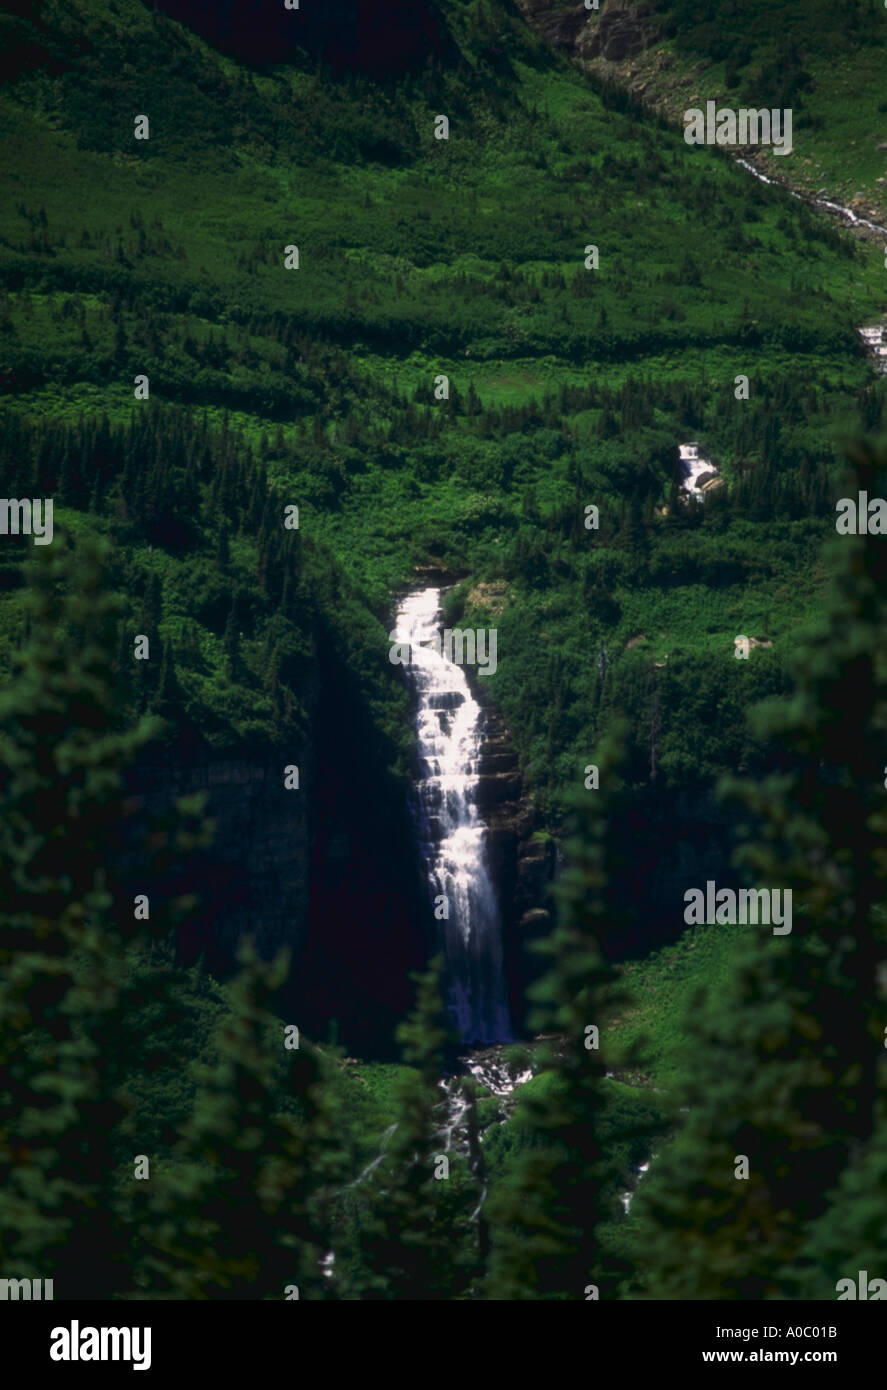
253	879
521	861
561	27
330	870
621	31
618	30
622	44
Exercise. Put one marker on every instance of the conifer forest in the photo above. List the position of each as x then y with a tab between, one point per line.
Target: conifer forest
443	666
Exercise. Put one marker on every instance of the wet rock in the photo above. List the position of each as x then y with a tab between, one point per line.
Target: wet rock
622	31
446	699
497	787
496	763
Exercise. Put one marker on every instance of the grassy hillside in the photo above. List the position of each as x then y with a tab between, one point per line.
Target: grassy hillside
463	257
826	61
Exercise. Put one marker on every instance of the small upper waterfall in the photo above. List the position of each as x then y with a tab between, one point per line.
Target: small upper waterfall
698	473
452	833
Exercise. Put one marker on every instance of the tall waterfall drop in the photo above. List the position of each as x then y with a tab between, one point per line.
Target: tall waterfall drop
452	834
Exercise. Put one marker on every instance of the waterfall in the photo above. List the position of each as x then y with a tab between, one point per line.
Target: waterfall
693	467
452	834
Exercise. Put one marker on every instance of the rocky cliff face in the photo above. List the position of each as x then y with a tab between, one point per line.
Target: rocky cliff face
522	862
618	30
560	25
621	31
330	870
369	918
252	881
673	840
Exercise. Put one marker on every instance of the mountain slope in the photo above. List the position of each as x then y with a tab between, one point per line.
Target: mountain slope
421	258
826	61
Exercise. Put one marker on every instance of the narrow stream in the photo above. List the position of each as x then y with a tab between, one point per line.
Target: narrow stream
826	203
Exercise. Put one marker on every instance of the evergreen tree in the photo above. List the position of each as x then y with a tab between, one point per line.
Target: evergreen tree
223	549
547	1223
411	1236
782	1064
63	934
231	641
235	1212
851	1234
168	700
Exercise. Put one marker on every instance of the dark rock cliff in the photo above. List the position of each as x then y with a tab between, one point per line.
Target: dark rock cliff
619	29
669	840
252	880
329	870
522	861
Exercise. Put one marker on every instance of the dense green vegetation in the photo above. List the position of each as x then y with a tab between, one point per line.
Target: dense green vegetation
464	257
211	570
320	388
825	61
260	1150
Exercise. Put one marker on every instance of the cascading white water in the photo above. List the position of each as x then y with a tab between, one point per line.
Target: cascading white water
847	213
452	833
693	466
